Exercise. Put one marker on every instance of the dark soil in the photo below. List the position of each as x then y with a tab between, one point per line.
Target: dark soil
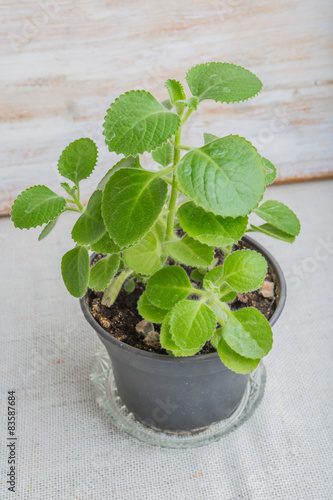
121	319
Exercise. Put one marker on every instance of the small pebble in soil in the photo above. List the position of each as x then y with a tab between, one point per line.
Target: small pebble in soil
267	289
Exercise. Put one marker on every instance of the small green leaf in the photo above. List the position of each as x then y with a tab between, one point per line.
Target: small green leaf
78	160
167	104
274	232
235	361
169	344
150	312
192	323
190	252
35	206
198	274
103	271
176	90
105	245
164	154
47	229
225	177
270	171
229	294
192	102
70	190
168	286
132	202
244	270
75	269
129	285
90	227
129	162
209	138
145	256
222	82
248	333
280	216
211	279
136	122
209	228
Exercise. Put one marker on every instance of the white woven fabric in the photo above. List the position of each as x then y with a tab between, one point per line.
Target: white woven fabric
68	449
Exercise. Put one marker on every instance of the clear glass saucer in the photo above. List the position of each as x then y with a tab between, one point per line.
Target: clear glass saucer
106	393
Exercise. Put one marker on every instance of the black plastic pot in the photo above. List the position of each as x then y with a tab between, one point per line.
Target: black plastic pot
179	394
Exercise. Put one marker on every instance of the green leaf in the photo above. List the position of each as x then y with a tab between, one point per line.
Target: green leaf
129	285
70	190
209	228
168	286
229	294
279	216
190	252
75	269
225	177
129	162
209	138
192	323
198	274
164	154
105	245
90	227
274	232
222	82
103	271
234	361
248	333
35	206
47	229
192	102
244	270
145	256
169	344
176	90
167	104
150	312
270	171
132	202
136	122
212	278
78	160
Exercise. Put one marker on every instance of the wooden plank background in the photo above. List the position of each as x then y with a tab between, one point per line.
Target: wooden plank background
64	62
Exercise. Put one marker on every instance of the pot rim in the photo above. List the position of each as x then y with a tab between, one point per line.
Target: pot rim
188	359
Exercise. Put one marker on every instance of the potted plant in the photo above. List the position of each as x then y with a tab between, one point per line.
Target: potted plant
163	240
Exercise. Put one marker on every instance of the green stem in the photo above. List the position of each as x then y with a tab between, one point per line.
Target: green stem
72	209
186	148
187	115
174	188
227	250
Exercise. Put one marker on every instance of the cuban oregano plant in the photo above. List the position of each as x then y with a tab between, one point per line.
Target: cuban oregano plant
194	199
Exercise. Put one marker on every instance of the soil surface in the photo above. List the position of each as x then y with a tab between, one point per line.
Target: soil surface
122	318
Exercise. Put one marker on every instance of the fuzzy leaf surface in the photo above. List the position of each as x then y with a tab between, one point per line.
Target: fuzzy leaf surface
105	245
192	323
244	270
209	228
150	312
145	256
164	154
90	225
168	286
270	171
225	177
248	333
132	201
274	232
223	82
47	229
36	206
168	343
136	122
78	160
103	271
190	252
235	361
75	269
280	216
129	162
176	90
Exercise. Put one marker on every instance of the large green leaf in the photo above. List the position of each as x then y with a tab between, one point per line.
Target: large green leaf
192	323
190	252
90	227
280	216
235	361
150	312
103	271
270	171
244	270
209	138
223	82
225	177
164	154
129	162
132	201
168	286
248	333
168	343
136	122
35	206
75	269
274	232
105	245
209	228
145	256
78	160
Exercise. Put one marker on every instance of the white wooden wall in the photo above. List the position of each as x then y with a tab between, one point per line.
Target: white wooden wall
63	62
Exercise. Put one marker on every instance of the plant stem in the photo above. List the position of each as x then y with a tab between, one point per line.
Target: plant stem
174	189
227	250
112	290
186	148
72	209
187	115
